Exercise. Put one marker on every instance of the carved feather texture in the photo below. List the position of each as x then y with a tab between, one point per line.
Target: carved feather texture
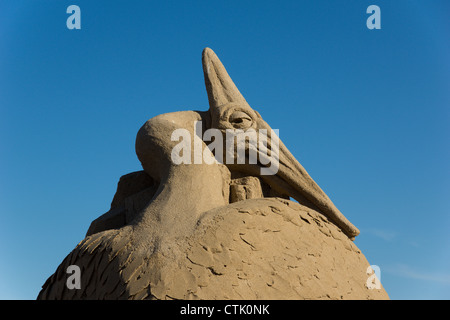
254	249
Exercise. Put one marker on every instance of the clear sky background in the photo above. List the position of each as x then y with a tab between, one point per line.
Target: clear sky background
366	112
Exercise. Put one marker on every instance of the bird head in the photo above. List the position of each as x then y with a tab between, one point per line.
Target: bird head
228	113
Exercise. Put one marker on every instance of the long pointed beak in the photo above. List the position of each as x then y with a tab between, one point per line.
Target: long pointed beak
293	180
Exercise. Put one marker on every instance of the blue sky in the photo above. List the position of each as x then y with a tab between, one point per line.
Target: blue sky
366	112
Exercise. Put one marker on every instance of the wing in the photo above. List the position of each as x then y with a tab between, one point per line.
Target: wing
96	257
134	191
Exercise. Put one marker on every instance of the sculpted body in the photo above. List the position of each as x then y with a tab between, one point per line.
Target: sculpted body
214	231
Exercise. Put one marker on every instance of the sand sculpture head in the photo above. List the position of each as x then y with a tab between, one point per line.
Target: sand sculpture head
230	111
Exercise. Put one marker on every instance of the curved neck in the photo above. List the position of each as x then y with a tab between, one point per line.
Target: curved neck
185	192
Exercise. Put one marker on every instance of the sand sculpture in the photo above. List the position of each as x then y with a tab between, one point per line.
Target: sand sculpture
216	230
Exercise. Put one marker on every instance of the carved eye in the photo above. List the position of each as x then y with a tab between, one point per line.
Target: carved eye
240	120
